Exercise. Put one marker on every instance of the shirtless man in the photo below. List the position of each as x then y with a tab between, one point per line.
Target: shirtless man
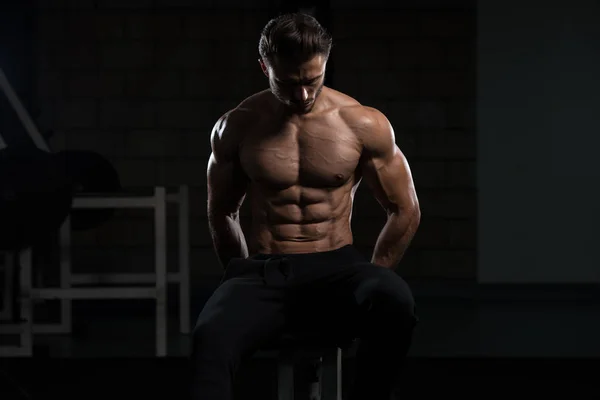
298	151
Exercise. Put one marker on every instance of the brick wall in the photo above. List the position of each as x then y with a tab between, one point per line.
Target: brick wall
143	83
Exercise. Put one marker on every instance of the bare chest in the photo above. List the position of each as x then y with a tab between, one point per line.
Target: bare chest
308	154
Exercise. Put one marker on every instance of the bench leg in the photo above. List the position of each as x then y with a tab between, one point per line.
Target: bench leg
285	378
315	380
331	375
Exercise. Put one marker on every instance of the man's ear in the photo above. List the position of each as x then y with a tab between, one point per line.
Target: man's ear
263	66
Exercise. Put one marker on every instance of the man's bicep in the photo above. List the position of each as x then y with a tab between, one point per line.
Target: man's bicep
227	185
227	182
390	179
385	168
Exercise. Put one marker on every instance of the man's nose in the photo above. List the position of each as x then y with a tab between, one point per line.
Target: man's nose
301	94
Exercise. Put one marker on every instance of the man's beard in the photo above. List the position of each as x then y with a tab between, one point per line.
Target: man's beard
299	108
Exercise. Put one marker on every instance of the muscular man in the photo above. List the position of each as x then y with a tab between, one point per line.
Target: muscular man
298	151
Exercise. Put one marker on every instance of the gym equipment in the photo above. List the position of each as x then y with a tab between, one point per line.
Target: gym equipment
81	186
89	173
326	354
37	190
35	196
37	186
32	131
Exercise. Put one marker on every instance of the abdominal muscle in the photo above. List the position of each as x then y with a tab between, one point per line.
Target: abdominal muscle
281	225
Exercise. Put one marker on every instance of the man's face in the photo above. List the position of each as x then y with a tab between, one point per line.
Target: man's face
296	84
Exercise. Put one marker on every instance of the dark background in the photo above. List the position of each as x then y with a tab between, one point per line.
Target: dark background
143	81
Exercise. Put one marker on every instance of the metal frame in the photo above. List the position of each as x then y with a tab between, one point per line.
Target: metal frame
25	326
329	372
69	291
22	113
180	277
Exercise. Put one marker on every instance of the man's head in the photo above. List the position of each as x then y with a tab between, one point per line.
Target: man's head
294	49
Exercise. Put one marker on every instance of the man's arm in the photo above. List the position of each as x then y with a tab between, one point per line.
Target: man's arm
387	174
227	186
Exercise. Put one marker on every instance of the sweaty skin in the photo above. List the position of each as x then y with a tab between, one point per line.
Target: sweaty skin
300	172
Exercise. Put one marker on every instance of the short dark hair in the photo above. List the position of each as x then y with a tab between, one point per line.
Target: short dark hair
295	37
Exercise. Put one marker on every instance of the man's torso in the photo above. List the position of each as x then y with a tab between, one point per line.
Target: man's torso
302	171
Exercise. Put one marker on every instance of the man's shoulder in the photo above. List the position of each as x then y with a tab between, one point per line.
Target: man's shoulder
255	104
352	111
364	121
369	124
361	116
238	119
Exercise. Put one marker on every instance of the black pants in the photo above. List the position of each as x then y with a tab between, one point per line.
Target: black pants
334	293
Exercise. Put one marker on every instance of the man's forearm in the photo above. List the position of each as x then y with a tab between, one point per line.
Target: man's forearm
395	238
228	238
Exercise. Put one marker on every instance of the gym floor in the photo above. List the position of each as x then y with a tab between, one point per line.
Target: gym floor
470	342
